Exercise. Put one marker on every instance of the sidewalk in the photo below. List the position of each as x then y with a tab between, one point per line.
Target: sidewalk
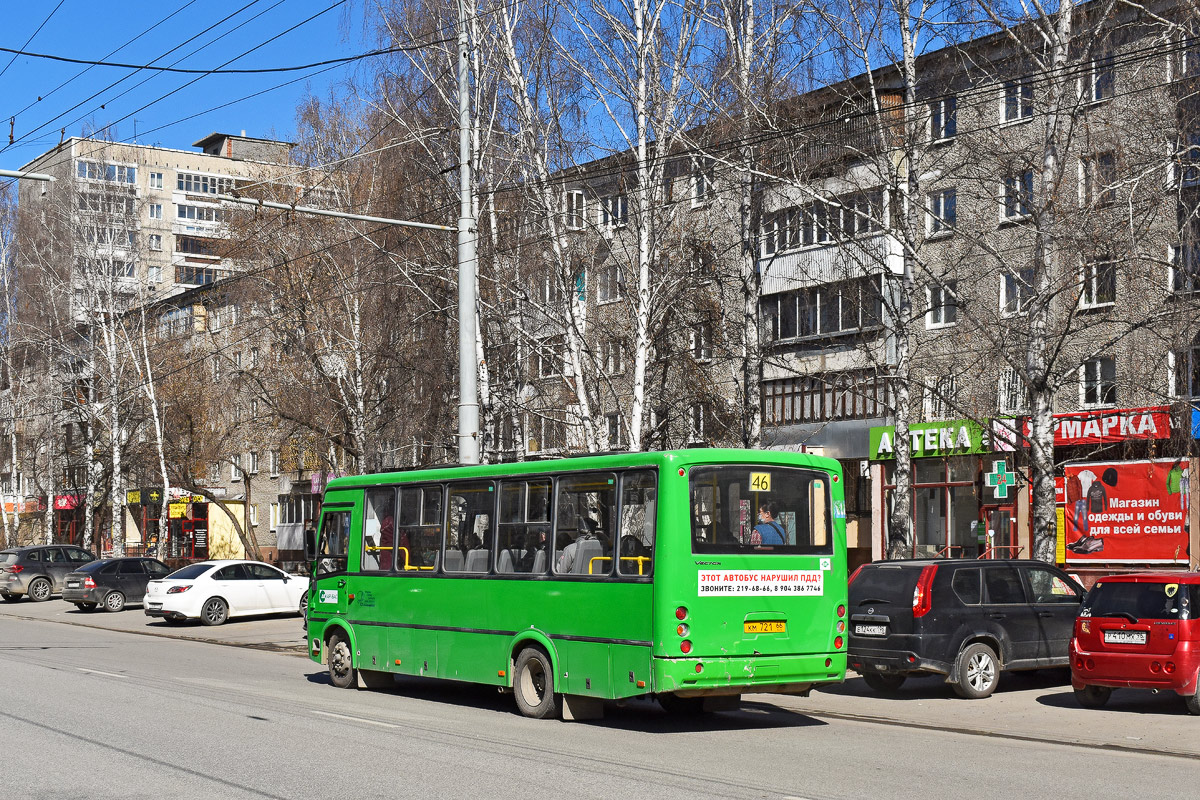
278	633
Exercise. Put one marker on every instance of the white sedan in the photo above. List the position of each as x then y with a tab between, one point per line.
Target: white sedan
214	591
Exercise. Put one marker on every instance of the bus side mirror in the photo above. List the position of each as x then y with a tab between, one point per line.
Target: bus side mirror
310	545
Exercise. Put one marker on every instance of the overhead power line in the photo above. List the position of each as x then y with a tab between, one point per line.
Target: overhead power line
248	71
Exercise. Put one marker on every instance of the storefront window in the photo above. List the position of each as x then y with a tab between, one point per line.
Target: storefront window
932	470
964	520
946	507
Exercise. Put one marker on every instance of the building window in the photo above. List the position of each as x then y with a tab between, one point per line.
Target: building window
254	412
696	414
1099	284
95	171
1185	371
255	358
235	468
609	279
1017	104
1185	269
614	211
237	359
828	310
943	118
1188	56
768	238
615	434
1016	290
1099	81
254	462
702	181
573	209
1017	196
274	463
154	241
548	356
156	180
191	183
1013	394
702	341
943	305
154	273
939	398
1098	382
155	210
1099	179
254	515
943	211
614	357
826	397
216	367
214	471
199	213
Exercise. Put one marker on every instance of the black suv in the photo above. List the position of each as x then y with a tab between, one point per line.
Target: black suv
962	618
38	571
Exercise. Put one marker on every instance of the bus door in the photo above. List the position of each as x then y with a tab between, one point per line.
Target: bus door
332	595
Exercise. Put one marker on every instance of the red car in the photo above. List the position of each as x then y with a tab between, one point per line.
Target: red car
1138	631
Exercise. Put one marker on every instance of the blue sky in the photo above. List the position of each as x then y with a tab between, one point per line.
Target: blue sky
164	109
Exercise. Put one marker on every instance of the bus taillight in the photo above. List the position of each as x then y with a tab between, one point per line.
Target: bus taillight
841	611
837	643
682	630
681	613
685	646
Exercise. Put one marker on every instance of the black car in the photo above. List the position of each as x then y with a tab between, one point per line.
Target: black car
111	583
962	618
38	571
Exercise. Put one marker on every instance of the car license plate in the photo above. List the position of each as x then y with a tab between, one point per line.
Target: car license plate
1124	637
156	606
871	630
774	626
72	584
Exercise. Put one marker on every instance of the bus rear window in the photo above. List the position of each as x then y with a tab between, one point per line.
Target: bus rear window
760	509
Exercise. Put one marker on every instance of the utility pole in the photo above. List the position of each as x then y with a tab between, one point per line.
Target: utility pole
468	362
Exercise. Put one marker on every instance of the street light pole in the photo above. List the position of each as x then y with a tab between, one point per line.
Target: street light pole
468	364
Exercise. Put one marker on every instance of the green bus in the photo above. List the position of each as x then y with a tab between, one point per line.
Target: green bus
577	580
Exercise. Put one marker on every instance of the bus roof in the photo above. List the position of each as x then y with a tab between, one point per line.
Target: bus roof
590	461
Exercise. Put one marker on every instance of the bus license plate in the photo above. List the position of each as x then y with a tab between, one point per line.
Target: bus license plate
1124	637
765	627
871	630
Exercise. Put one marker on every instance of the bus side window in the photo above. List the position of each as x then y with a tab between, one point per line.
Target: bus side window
639	509
586	506
817	504
470	510
379	531
419	540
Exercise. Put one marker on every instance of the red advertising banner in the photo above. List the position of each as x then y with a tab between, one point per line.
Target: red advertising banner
1107	425
1127	512
66	502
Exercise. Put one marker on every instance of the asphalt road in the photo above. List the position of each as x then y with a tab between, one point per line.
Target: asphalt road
102	713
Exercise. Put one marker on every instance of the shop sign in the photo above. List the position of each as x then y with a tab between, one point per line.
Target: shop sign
1000	480
1105	426
1195	423
177	510
1127	512
66	502
930	439
133	497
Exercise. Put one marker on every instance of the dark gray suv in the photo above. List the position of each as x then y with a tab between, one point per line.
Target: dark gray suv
38	571
962	618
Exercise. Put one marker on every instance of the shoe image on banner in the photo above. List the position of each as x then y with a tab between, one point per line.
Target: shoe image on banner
1086	544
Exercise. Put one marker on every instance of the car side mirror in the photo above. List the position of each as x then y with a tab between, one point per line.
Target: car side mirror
310	545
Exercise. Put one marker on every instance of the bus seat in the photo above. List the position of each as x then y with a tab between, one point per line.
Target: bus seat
454	561
585	551
539	563
477	560
505	562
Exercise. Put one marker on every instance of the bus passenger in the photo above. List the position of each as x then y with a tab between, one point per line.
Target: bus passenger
768	531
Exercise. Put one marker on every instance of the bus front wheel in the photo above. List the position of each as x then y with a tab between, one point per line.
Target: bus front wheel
342	673
533	684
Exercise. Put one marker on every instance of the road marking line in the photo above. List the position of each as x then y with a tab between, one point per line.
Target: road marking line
356	719
101	672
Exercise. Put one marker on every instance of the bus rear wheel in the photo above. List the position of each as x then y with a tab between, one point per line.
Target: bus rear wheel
533	684
342	673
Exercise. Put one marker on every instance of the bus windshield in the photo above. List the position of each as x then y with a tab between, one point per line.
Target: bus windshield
760	510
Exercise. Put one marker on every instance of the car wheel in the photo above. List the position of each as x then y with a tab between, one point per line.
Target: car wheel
883	683
40	590
86	606
10	598
342	673
114	601
214	612
1093	696
533	684
978	671
303	603
1193	699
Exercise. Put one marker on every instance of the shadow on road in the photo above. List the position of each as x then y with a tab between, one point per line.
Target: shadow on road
639	714
1123	701
927	687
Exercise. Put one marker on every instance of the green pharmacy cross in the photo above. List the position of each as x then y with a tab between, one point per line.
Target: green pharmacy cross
1000	479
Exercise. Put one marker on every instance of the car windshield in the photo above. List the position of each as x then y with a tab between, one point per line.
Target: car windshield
1142	600
760	509
9	557
190	571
